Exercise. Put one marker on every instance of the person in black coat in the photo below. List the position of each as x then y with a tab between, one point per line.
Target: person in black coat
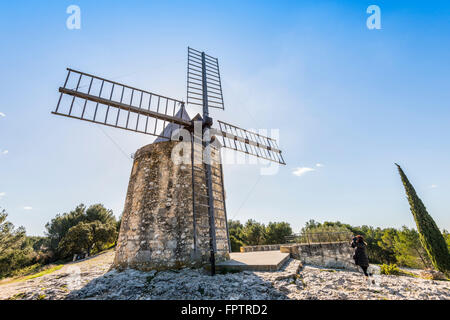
360	255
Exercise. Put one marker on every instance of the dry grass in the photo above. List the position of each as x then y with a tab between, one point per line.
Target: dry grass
49	269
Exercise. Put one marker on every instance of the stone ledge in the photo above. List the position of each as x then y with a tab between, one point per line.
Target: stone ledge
268	247
254	261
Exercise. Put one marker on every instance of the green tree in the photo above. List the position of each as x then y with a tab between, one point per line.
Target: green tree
103	235
313	226
58	228
78	239
236	243
88	236
14	253
38	243
98	212
408	249
446	236
429	234
276	232
253	233
376	253
235	228
387	244
118	224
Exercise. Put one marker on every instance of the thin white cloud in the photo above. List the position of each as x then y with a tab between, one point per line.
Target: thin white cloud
27	208
319	165
301	171
433	186
4	151
2	194
2	114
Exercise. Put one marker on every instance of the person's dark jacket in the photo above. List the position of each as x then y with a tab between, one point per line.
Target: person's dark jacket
360	255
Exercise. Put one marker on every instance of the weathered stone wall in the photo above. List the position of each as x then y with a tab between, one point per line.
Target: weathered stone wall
267	247
329	254
201	205
157	230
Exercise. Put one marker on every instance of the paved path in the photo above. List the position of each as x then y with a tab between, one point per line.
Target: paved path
254	261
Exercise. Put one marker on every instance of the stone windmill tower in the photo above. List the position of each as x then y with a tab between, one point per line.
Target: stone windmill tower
175	212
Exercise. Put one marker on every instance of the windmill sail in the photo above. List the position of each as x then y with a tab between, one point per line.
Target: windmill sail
204	86
235	138
95	99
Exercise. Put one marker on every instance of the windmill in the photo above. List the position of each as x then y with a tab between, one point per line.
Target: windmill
98	100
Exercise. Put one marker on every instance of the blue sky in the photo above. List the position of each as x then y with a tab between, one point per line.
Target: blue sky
352	99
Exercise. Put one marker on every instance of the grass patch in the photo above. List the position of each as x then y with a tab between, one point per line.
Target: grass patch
49	269
43	273
17	296
27	270
38	270
407	273
327	270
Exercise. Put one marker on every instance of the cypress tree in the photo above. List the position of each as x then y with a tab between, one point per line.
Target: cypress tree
430	236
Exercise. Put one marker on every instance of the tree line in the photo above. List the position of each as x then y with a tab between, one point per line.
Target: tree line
84	230
384	245
93	229
254	233
424	247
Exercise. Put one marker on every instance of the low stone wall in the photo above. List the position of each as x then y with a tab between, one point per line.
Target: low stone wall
268	247
328	255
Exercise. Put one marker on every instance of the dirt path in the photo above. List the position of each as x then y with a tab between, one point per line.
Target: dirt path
58	284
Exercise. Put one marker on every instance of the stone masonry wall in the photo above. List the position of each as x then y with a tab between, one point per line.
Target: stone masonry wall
328	254
157	230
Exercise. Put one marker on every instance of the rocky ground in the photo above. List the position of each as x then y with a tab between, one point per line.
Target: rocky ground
92	279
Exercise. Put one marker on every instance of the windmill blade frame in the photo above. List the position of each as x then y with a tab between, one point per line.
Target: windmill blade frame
252	143
204	86
95	99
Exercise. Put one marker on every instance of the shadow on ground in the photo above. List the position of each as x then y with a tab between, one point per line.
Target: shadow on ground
186	284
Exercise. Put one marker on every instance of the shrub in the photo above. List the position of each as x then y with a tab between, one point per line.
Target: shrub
236	244
390	269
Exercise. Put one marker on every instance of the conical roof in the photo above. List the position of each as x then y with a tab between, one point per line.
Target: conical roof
166	133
